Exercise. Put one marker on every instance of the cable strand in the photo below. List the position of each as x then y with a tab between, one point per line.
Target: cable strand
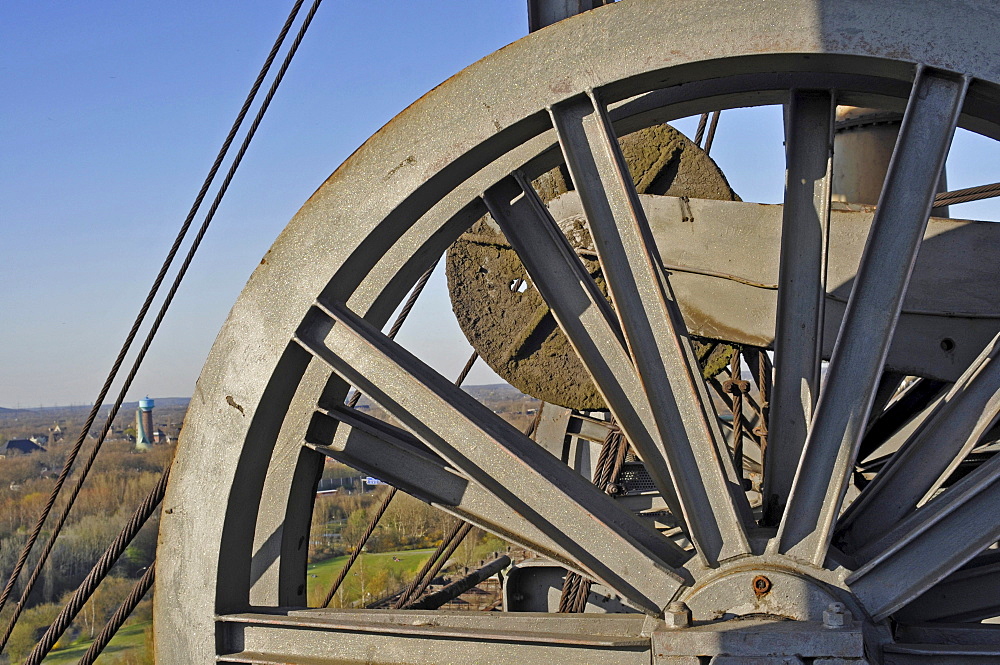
154	328
144	309
98	572
116	621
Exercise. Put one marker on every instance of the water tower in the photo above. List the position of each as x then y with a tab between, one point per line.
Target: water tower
144	424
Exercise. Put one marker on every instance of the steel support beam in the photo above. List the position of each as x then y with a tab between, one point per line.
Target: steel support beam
546	12
872	311
931	543
398	458
585	317
319	637
968	594
798	342
708	486
917	470
611	545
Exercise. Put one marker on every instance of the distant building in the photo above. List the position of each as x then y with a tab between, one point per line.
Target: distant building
39	439
21	447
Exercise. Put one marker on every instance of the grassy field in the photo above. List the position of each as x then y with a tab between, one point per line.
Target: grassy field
130	638
376	572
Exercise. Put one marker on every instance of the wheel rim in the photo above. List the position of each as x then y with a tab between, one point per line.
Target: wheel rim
236	515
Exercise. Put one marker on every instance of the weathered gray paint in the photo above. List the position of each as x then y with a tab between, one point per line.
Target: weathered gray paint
235	481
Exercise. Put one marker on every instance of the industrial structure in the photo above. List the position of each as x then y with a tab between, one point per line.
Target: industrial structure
693	490
144	431
648	285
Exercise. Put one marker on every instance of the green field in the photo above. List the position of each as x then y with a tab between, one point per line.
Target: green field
130	638
379	572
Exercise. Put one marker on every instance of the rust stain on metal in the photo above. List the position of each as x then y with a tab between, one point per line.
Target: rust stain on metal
410	159
761	586
231	402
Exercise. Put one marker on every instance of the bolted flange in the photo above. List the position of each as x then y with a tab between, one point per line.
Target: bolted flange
677	615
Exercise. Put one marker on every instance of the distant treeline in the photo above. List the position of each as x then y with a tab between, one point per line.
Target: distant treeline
117	484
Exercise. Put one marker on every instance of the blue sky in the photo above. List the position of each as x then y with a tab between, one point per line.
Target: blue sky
113	111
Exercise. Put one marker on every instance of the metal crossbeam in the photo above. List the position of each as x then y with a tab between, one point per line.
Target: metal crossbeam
707	484
400	459
611	544
876	299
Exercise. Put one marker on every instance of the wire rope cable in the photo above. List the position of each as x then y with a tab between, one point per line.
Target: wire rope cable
147	303
99	572
123	612
164	307
965	195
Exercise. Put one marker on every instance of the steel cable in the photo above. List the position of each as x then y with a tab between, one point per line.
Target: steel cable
468	368
182	271
737	387
699	133
576	587
965	195
118	618
99	571
361	543
144	309
711	131
764	388
463	531
431	560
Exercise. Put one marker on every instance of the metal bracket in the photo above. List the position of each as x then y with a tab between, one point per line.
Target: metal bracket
546	12
759	641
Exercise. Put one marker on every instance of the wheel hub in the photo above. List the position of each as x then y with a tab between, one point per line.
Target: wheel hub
772	591
768	609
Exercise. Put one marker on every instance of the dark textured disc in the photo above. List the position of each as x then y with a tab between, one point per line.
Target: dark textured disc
505	318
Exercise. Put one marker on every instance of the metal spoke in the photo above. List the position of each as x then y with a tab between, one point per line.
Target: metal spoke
888	386
400	459
932	543
708	485
424	637
968	634
932	453
611	544
871	315
968	594
584	316
952	643
893	421
798	340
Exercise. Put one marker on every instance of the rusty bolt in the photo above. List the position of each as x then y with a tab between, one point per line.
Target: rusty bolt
736	386
677	615
836	616
761	586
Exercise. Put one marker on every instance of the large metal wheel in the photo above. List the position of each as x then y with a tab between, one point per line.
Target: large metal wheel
234	533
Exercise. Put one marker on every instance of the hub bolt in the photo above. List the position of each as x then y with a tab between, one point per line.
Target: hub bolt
761	586
677	615
836	617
